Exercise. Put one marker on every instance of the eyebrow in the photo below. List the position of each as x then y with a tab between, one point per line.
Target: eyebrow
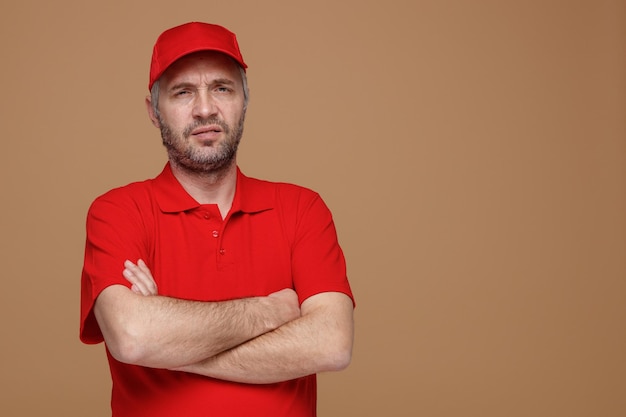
186	84
223	81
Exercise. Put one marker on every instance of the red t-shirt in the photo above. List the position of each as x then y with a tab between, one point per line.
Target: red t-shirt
276	236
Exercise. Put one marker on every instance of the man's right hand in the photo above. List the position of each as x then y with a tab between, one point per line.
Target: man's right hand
287	304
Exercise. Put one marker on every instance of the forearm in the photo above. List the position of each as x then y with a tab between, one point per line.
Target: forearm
164	332
321	340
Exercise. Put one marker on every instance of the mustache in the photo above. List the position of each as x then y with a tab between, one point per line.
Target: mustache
213	120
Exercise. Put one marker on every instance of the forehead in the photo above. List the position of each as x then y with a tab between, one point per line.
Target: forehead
203	65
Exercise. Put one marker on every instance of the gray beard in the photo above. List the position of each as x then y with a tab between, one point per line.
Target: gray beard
194	160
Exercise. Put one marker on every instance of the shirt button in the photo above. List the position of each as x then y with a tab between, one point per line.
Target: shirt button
222	251
216	233
207	216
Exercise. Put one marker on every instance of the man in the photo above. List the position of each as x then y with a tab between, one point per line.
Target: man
215	293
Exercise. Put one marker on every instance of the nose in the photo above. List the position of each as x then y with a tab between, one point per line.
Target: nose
204	105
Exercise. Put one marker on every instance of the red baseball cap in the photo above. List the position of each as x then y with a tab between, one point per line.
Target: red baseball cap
191	37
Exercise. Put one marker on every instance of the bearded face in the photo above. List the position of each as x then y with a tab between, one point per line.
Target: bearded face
199	104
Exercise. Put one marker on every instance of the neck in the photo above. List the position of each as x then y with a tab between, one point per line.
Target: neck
216	187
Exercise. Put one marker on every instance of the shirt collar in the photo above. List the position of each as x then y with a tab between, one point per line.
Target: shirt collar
251	195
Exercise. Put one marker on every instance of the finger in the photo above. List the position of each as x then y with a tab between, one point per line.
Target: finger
140	275
150	282
144	268
137	285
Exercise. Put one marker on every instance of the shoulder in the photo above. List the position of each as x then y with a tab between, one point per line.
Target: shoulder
133	195
281	191
291	200
294	203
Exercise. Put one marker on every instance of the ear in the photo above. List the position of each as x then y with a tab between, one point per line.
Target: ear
153	117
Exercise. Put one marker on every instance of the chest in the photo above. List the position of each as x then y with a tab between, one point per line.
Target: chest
196	255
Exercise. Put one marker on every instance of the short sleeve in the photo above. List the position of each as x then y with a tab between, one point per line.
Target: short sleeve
114	233
318	262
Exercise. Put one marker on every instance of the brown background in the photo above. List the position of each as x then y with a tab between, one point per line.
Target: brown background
473	154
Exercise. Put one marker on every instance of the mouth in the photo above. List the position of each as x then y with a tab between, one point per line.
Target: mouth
203	130
206	133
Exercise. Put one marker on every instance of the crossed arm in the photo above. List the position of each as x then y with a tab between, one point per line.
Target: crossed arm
252	340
